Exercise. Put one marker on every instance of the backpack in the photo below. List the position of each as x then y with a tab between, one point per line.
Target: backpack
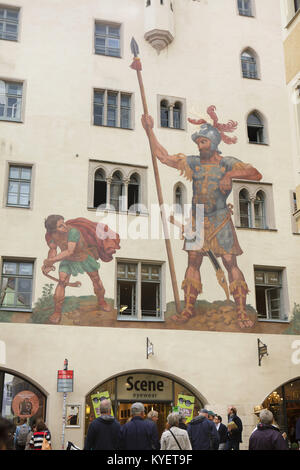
22	435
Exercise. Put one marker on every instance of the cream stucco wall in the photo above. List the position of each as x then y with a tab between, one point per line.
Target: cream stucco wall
221	367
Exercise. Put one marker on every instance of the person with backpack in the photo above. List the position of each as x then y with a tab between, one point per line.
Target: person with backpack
21	434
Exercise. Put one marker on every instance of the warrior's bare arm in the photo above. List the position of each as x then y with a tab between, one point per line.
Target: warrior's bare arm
244	171
159	151
61	256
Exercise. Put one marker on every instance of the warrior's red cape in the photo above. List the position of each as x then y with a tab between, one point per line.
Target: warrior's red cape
95	235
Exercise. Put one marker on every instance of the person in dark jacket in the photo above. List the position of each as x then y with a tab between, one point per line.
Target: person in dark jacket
298	431
104	432
235	429
222	431
203	433
266	436
139	433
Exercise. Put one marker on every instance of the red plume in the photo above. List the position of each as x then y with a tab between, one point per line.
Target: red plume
231	126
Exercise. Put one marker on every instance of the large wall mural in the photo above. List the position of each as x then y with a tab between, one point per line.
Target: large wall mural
76	247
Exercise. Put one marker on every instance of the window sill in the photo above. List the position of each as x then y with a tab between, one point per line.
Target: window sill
15	309
10	40
257	229
258	143
106	211
252	78
11	121
270	320
114	127
172	128
18	207
148	320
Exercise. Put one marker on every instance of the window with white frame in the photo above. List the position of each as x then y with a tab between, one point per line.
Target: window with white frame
107	39
256	128
249	64
269	294
245	7
171	112
254	205
117	187
19	186
16	284
9	23
11	101
112	109
139	290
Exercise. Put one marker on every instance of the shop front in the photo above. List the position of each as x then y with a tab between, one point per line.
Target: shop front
157	392
284	402
19	398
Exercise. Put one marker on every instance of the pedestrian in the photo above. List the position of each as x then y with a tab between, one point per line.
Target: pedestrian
37	440
222	431
104	432
235	429
175	438
203	433
298	431
267	436
6	434
182	422
152	416
139	434
21	434
30	434
211	415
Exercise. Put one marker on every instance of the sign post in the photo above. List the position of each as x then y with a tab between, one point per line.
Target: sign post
65	385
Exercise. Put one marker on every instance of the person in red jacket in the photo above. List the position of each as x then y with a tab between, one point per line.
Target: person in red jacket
266	436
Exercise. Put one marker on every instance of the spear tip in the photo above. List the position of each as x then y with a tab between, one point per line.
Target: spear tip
134	47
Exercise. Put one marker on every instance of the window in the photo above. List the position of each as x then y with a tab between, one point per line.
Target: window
16	285
245	7
133	198
107	39
297	5
139	290
249	65
10	101
100	188
117	187
9	21
245	209
19	182
255	205
171	112
269	296
179	198
259	210
116	191
256	129
112	109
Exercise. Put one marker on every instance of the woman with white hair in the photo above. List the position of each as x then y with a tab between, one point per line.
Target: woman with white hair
175	438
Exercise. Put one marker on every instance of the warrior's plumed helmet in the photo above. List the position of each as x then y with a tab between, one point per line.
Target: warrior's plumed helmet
215	132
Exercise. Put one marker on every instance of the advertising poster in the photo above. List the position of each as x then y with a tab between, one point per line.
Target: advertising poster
96	399
25	404
185	405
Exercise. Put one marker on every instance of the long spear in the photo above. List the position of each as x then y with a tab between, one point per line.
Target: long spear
136	65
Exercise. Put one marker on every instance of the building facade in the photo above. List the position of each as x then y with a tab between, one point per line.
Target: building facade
86	271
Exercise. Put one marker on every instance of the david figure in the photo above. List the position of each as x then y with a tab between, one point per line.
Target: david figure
211	175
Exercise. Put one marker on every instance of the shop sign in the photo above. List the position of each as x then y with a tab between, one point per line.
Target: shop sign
65	381
141	387
25	404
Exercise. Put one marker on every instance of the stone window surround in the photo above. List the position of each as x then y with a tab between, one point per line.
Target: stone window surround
162	265
253	188
171	101
126	170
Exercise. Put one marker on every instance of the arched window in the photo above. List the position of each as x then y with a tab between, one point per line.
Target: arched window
245	7
100	188
245	209
255	127
177	115
259	210
249	64
148	3
164	114
116	190
178	199
133	197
